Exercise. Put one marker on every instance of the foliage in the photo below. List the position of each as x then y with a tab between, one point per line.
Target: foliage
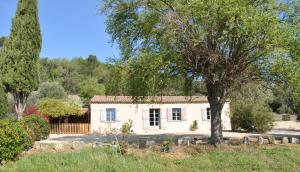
62	71
123	147
13	140
89	66
167	146
286	64
223	43
57	108
285	109
194	126
76	75
20	54
36	127
3	103
250	108
74	100
2	40
126	130
140	77
242	159
89	88
52	90
33	110
33	98
256	92
251	117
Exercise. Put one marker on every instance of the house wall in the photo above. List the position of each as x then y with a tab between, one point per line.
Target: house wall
139	114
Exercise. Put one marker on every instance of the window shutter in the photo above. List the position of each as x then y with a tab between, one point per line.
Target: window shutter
117	116
169	114
146	119
102	115
183	114
203	114
163	119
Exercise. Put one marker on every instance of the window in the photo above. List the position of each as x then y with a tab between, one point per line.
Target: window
154	117
208	113
176	114
110	114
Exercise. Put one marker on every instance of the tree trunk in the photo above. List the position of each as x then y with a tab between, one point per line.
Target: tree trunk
216	106
216	124
20	103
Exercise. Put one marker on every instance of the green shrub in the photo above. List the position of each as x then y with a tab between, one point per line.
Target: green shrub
126	130
168	145
194	126
13	140
251	117
285	109
36	127
123	147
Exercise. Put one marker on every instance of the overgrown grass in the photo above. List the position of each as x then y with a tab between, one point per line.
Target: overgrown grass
275	158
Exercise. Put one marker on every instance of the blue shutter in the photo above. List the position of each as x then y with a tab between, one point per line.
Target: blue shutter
108	116
113	114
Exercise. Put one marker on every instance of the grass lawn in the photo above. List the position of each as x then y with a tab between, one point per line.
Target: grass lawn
265	158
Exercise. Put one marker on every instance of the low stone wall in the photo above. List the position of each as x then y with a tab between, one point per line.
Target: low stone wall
180	141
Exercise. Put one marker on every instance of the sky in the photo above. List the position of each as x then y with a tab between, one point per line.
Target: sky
70	28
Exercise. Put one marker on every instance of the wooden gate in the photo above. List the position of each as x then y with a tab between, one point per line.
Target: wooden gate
70	128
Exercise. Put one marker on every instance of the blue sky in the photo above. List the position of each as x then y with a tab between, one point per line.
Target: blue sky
70	28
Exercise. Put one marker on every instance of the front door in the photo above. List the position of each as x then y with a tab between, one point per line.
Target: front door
154	118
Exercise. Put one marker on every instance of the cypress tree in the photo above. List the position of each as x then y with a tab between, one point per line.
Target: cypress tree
3	103
20	54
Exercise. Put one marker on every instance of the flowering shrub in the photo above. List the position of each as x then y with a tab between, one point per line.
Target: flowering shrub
37	127
33	110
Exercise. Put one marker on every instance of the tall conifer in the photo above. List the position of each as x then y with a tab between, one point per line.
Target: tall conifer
20	54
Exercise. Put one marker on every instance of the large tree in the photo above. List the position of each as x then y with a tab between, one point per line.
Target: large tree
2	39
20	54
223	42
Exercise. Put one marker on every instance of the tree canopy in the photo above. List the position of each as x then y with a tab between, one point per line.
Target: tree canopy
52	90
223	43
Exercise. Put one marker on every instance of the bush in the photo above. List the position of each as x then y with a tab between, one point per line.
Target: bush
251	117
123	147
285	109
126	130
36	127
13	140
33	110
168	145
194	126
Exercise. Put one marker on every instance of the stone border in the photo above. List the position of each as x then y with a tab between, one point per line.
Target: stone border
180	141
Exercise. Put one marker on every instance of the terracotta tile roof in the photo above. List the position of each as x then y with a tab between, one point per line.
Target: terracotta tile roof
154	99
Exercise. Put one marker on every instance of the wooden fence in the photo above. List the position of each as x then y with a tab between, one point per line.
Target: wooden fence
70	128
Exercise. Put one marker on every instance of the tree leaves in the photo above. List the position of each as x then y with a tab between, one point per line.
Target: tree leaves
57	108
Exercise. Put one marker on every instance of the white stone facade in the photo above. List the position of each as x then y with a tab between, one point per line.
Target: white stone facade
154	118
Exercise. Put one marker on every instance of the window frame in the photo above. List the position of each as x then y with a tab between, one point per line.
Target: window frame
154	121
176	114
208	114
110	112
